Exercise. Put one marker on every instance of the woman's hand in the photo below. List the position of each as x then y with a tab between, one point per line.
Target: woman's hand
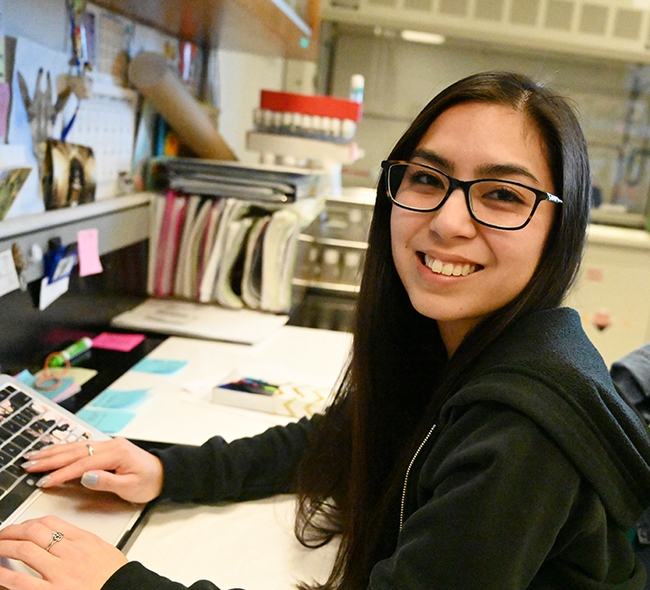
115	465
78	561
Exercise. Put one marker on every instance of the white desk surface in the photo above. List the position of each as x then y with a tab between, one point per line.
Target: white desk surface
247	545
172	414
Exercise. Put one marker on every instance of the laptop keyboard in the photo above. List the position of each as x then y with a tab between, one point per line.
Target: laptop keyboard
26	425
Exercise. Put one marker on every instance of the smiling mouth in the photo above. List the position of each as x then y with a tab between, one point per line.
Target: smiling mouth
449	268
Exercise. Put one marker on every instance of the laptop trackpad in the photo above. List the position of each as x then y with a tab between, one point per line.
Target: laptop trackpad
101	513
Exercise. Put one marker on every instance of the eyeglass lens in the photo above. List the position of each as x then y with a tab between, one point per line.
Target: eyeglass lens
494	202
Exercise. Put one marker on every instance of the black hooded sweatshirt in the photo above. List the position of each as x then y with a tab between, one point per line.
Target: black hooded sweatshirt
532	478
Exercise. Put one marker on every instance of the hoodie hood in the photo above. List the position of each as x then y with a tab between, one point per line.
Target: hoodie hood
574	401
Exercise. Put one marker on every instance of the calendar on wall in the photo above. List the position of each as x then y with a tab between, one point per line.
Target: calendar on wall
106	123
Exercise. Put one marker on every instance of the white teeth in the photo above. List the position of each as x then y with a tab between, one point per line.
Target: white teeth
449	268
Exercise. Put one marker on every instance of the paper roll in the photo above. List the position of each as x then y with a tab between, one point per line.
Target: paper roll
151	75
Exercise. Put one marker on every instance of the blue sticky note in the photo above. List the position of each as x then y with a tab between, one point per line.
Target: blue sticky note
108	421
64	385
26	377
158	366
112	398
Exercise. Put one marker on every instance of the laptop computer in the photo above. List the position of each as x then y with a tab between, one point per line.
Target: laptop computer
28	421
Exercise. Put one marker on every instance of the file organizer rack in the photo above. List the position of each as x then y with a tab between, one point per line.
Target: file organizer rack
236	253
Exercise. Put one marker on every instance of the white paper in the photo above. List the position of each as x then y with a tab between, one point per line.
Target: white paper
201	320
50	292
13	156
8	275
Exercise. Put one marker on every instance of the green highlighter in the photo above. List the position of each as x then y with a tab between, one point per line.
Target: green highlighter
72	351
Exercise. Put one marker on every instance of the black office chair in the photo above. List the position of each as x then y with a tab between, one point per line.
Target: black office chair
631	376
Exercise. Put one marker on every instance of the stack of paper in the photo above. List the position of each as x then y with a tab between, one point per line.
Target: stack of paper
276	184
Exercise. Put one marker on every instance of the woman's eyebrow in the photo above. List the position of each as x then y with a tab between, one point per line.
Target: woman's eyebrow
433	159
499	170
483	171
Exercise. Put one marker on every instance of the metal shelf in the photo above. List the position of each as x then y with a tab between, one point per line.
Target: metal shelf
329	287
336	242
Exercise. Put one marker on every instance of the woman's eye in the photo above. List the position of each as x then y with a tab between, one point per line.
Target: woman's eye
503	195
426	179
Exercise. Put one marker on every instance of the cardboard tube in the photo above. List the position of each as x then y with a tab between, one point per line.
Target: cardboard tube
151	75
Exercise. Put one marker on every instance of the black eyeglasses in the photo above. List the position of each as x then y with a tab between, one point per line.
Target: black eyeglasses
501	204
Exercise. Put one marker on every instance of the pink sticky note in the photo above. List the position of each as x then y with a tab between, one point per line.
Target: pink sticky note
88	251
5	99
120	342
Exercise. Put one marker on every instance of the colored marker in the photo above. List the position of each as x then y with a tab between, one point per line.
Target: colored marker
72	351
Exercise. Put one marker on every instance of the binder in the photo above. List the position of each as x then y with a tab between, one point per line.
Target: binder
158	206
251	285
233	208
191	206
168	245
188	273
207	243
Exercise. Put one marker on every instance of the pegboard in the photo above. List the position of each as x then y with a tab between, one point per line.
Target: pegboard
106	123
115	34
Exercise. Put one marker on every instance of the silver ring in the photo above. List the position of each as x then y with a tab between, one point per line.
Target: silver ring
56	537
91	451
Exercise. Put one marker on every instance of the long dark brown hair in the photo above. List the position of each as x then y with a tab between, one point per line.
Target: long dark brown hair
398	377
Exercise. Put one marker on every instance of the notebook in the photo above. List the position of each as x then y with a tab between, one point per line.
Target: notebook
28	421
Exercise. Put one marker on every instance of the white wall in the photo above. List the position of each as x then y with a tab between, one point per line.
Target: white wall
38	20
241	78
402	77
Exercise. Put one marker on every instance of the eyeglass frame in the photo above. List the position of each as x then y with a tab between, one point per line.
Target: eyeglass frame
465	185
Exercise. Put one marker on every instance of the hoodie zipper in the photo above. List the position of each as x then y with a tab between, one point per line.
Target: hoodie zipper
408	472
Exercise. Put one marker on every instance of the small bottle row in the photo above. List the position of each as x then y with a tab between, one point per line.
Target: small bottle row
343	222
328	264
303	125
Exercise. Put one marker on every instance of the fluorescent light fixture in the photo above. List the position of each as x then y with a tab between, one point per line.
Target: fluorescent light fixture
422	37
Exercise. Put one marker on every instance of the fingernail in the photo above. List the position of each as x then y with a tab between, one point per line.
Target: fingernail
30	454
41	482
89	479
28	464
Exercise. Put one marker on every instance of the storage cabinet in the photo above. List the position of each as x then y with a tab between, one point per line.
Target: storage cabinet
612	292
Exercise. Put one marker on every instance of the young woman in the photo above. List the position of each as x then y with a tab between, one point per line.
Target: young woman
476	440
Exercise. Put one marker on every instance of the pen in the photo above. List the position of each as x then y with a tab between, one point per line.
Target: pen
72	351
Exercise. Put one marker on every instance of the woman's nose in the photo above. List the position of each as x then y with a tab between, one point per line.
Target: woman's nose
453	218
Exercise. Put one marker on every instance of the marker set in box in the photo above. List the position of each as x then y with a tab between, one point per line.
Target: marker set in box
296	396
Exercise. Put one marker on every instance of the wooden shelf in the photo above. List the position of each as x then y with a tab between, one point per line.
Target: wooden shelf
268	27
